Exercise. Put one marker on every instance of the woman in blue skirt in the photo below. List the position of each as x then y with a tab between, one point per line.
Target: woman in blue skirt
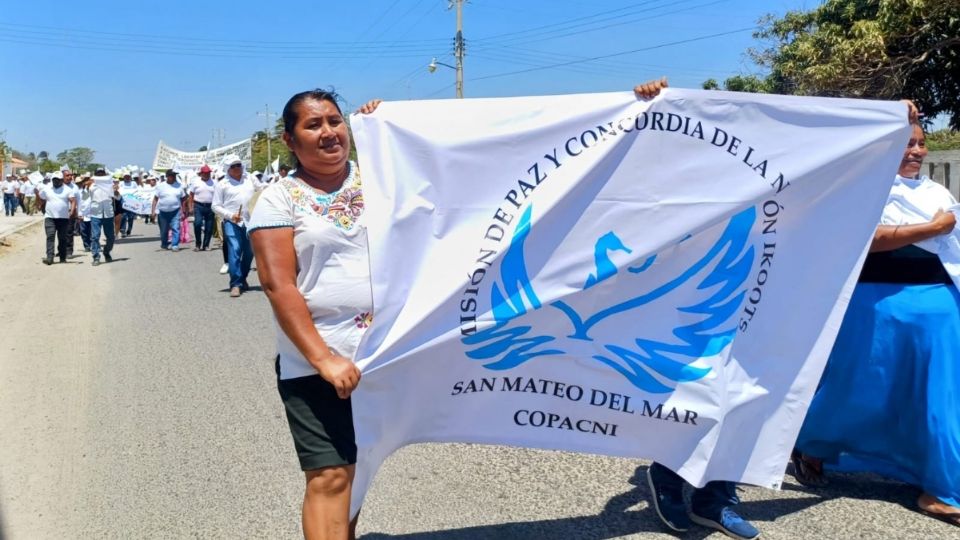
889	399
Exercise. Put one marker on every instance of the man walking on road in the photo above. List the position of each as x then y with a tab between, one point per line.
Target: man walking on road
59	203
201	205
29	192
102	214
72	218
169	200
127	187
231	201
9	188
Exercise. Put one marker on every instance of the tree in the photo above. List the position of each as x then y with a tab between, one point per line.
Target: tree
277	150
202	148
49	166
740	83
78	158
878	49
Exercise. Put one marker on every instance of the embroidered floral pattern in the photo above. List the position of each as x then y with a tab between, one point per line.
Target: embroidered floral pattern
364	320
342	208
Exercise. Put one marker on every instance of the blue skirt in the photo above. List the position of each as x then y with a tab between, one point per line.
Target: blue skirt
889	399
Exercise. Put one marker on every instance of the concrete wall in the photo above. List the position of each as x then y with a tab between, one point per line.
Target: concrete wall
944	167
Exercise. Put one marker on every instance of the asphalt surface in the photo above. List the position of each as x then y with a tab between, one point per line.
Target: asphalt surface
137	400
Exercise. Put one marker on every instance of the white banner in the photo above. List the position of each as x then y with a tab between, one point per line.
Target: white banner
168	157
599	274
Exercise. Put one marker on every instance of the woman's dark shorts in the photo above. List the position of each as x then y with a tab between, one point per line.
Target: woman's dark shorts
321	423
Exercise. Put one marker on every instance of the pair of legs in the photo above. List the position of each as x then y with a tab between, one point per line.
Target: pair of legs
56	228
169	221
9	204
808	471
106	224
202	225
31	204
710	506
326	504
85	234
126	222
239	254
72	229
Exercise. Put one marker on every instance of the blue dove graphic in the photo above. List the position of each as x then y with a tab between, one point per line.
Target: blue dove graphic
653	366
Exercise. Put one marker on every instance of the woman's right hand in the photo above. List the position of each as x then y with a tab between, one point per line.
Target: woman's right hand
944	222
341	373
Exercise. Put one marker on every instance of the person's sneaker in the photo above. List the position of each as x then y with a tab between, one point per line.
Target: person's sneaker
668	500
107	257
234	292
47	261
96	262
175	248
225	268
727	521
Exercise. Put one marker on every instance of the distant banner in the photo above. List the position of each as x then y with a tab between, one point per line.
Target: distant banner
138	202
168	157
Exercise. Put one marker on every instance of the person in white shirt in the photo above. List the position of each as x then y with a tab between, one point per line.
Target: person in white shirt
201	206
231	201
169	200
103	192
59	203
83	209
29	191
68	182
127	187
9	188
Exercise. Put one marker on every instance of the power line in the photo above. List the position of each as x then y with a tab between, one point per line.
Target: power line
547	36
612	55
48	30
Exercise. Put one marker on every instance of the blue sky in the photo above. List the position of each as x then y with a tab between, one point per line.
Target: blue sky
119	76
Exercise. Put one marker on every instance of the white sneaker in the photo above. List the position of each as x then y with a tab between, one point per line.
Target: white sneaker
225	268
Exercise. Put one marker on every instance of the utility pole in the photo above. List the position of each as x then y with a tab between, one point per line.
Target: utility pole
216	136
458	47
267	115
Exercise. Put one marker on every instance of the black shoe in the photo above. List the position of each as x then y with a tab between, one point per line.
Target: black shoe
63	260
47	260
96	262
107	257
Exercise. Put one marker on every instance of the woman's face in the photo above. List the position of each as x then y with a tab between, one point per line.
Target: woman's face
914	154
320	138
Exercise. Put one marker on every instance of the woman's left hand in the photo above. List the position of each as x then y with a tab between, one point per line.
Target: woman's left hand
370	106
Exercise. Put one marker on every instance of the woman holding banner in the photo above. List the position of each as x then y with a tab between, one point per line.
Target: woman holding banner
888	401
308	235
311	252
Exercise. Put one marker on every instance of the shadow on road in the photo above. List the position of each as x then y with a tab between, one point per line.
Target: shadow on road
137	240
616	520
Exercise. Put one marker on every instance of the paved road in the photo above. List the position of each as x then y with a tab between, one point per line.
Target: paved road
137	400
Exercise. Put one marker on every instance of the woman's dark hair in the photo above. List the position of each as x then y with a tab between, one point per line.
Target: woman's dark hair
317	94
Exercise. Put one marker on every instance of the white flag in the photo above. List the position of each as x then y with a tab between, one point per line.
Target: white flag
599	274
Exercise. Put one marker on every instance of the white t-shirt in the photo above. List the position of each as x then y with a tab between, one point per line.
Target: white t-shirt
330	241
58	201
84	203
28	189
9	186
202	191
168	196
230	195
